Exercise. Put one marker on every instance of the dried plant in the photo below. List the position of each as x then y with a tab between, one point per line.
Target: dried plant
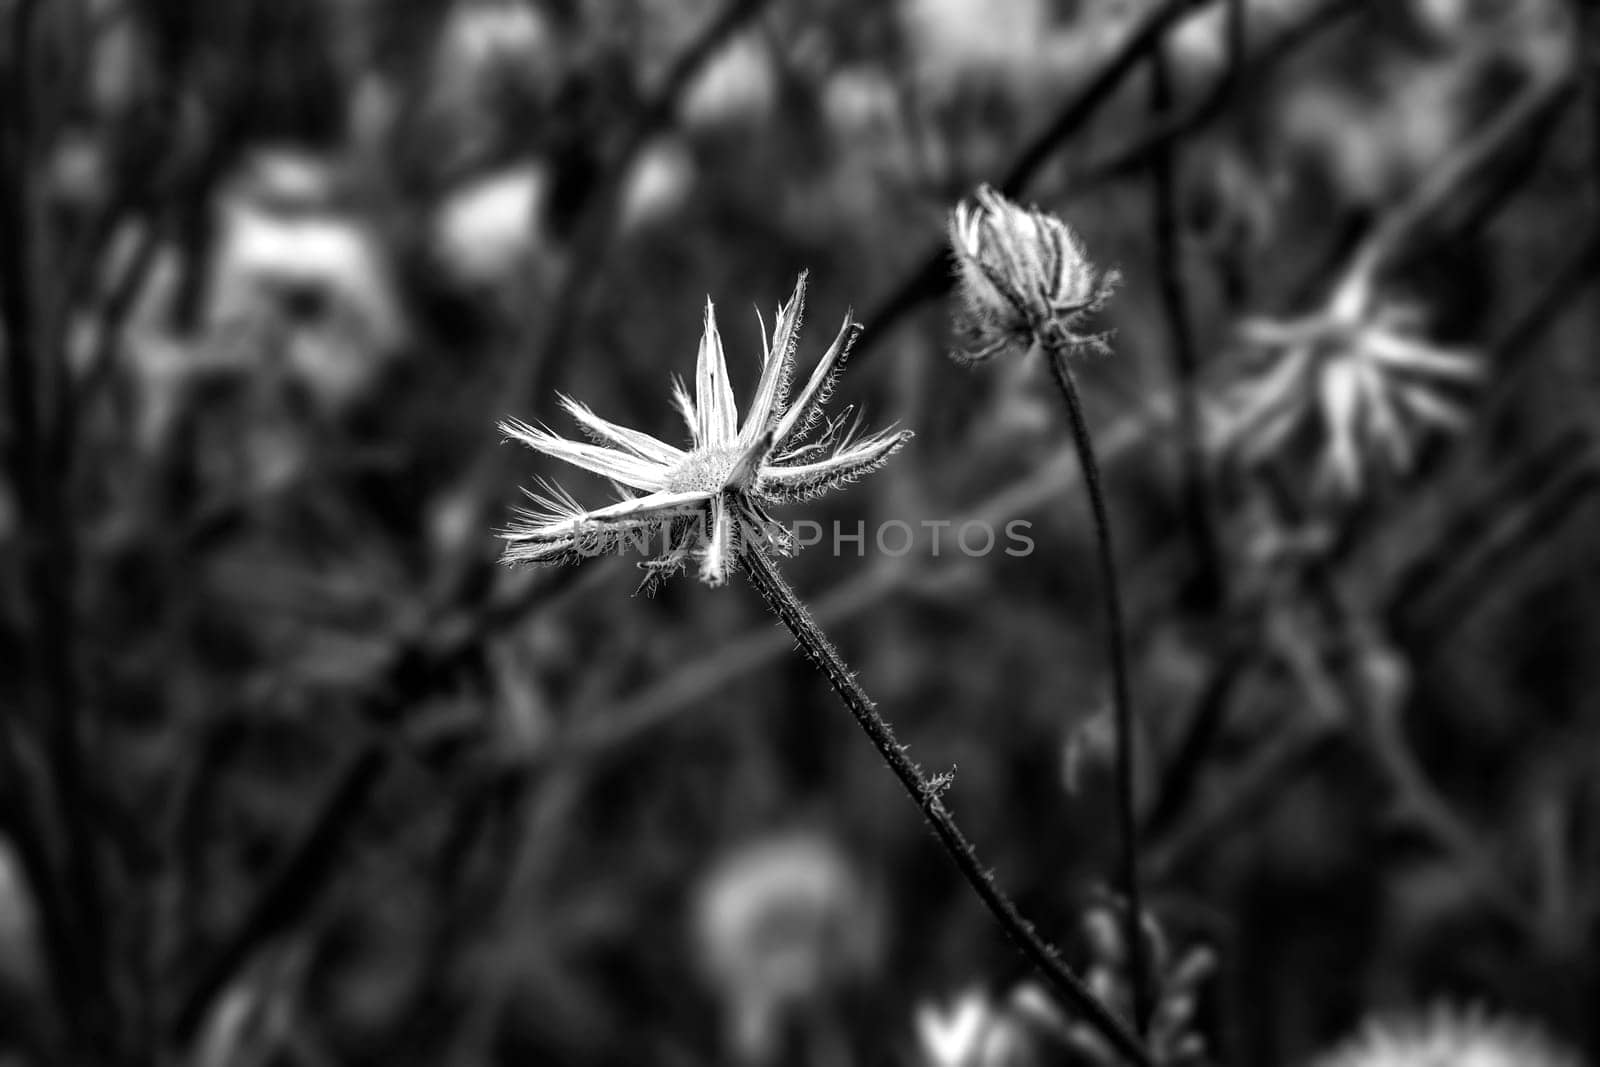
707	502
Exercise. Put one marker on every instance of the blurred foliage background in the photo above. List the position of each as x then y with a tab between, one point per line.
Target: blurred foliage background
294	773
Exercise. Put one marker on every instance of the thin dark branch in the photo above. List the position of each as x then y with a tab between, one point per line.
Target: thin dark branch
1509	356
1169	129
931	278
291	889
1509	126
1278	763
1518	164
1548	500
419	668
1204	726
112	314
1144	40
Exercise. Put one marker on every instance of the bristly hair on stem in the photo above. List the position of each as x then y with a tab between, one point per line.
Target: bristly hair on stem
1068	989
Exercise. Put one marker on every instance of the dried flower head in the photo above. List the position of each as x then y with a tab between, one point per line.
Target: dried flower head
708	501
1024	278
1448	1036
1357	379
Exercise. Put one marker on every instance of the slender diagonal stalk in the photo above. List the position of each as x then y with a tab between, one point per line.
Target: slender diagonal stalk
1122	710
1068	989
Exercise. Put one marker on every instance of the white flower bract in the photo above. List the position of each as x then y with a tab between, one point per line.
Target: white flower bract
706	502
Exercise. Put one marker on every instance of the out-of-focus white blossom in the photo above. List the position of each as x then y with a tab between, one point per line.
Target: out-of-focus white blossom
1535	34
1449	1036
301	281
778	924
482	38
488	227
1017	46
737	85
657	184
972	1030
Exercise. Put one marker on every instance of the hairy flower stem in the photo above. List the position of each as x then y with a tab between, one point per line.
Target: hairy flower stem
1069	990
1138	965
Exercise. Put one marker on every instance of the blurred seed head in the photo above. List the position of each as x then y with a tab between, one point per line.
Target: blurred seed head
1357	382
779	924
1023	277
1449	1035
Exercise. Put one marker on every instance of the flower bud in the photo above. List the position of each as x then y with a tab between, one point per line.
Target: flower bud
1023	276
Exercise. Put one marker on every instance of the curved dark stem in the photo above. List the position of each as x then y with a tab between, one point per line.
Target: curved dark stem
1127	820
1069	990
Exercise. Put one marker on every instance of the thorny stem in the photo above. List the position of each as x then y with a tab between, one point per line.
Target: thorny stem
1138	969
1069	990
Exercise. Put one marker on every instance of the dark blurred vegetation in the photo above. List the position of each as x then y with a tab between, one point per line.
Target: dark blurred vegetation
292	772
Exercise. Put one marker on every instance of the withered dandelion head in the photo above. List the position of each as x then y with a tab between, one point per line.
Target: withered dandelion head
1023	277
707	502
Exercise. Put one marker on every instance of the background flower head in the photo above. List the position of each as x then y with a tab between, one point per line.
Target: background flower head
778	924
1358	380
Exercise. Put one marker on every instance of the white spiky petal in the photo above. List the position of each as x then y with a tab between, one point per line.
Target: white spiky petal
708	501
